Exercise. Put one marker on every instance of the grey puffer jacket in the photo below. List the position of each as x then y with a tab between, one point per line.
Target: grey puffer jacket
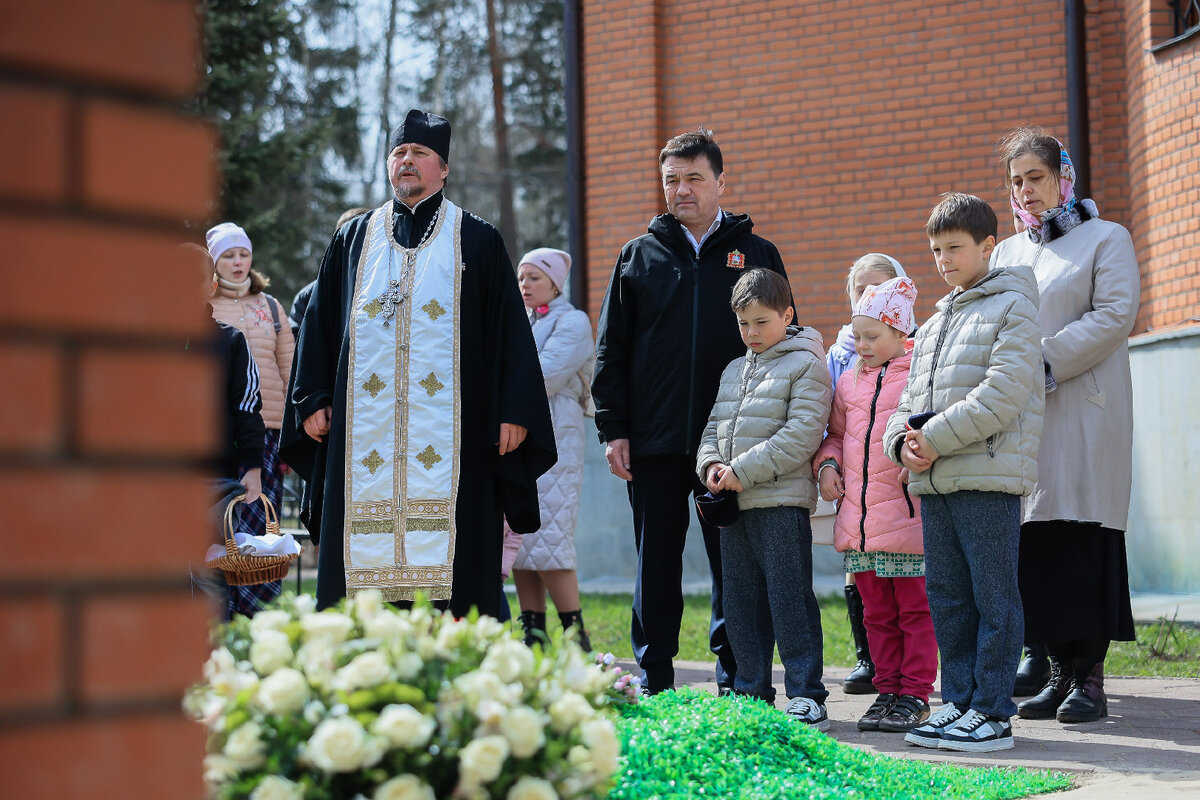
768	420
977	363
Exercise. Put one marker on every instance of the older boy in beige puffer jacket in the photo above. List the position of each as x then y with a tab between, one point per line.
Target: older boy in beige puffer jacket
766	424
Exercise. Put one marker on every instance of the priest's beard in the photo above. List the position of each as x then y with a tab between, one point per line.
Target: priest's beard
410	190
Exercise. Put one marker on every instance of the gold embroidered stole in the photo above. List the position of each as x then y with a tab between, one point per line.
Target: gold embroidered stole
403	412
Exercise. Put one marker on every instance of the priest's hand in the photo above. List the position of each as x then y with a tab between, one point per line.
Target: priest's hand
617	453
317	426
511	437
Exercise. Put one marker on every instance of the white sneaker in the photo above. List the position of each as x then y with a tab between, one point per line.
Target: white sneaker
930	732
808	711
978	733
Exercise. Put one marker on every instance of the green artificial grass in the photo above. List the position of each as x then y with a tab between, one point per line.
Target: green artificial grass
692	744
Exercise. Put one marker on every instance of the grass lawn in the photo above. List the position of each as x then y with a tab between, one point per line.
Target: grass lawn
607	618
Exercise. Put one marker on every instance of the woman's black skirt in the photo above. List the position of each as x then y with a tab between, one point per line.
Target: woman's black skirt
1074	582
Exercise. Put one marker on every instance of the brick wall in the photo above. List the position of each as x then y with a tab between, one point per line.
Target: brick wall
105	416
842	122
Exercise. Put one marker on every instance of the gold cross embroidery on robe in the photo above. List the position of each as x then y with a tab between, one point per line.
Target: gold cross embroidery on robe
373	308
373	386
428	457
432	385
434	309
373	461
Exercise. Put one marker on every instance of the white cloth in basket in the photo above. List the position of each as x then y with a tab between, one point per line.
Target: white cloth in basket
270	544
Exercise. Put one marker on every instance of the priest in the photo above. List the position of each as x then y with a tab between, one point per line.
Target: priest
417	402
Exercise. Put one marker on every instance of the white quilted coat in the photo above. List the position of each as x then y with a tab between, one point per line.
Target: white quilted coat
566	349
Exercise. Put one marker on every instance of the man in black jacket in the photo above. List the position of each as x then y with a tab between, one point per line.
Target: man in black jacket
666	332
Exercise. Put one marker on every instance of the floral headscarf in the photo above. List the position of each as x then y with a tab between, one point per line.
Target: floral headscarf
1066	188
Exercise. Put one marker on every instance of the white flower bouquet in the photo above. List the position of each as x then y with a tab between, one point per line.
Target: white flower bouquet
366	702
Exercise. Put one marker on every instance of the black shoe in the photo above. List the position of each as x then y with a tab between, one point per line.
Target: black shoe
533	623
1087	701
574	619
1033	671
878	710
860	680
907	713
1045	704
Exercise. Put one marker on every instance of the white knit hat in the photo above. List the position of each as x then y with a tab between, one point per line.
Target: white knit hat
224	236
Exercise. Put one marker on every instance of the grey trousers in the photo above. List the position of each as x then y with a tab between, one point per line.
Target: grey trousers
971	546
766	557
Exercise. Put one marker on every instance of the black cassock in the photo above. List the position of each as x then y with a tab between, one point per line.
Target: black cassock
500	381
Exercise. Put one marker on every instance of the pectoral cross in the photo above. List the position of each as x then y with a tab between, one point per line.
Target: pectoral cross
390	301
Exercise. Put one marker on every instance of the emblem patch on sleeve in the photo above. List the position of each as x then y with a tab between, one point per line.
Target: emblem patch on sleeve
736	260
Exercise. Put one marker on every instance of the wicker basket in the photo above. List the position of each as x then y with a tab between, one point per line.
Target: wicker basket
241	570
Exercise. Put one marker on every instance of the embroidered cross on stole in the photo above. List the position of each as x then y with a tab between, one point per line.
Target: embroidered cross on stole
402	418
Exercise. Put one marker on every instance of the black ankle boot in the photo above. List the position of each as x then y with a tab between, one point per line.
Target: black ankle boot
574	619
859	681
1086	702
533	623
1045	704
1033	671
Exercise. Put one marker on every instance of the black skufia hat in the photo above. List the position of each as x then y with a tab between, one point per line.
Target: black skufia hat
425	129
719	510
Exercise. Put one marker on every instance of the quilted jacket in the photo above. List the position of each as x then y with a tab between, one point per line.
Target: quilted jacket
768	420
564	341
272	348
877	513
977	364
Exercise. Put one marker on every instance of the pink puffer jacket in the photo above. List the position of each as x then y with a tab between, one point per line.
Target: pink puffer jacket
892	522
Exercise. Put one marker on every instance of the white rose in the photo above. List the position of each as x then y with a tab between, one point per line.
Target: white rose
218	769
481	685
225	676
487	628
245	746
568	711
489	712
404	727
387	626
365	671
523	729
275	787
405	787
328	625
600	735
316	660
305	604
449	638
273	619
408	666
270	651
510	660
482	759
285	691
528	788
367	603
343	745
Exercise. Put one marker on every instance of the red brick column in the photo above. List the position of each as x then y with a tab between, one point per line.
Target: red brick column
104	416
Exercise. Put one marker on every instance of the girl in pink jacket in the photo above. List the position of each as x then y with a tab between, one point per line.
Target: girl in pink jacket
878	525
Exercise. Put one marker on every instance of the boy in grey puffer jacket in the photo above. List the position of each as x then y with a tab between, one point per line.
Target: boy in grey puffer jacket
967	429
767	422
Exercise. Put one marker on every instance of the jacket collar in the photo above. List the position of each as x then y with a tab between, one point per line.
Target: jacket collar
669	231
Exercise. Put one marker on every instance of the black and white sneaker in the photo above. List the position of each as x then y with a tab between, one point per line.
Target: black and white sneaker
978	733
808	711
930	732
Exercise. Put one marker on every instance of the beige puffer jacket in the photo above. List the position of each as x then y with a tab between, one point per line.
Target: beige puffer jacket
272	350
977	363
768	421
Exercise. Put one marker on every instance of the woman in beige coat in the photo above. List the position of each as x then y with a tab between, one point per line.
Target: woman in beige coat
1073	572
238	299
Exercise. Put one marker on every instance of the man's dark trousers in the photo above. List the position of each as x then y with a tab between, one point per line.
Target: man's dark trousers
660	495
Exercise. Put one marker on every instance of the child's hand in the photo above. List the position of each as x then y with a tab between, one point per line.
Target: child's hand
915	440
832	487
728	480
713	476
912	461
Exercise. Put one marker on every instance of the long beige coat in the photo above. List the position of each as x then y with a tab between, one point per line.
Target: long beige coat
1090	288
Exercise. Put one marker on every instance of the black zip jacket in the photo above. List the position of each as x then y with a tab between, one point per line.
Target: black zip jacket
666	332
244	434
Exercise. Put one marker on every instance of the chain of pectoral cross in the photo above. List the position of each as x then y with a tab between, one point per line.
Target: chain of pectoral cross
391	300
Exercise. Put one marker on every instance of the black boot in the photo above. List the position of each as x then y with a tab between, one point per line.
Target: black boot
1033	671
533	623
1086	702
859	681
574	619
1045	704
